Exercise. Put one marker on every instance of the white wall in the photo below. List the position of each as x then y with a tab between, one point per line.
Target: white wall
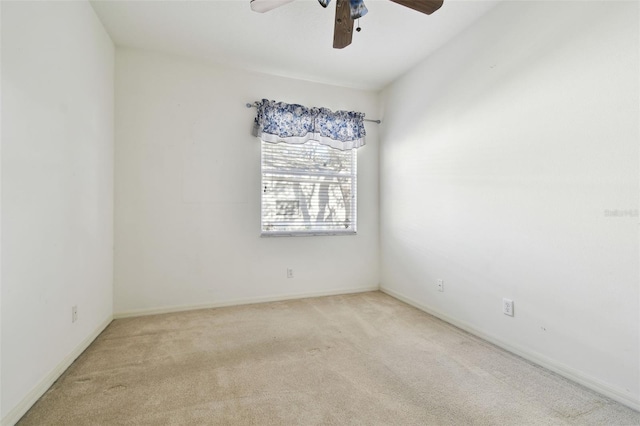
0	219
501	156
57	186
187	205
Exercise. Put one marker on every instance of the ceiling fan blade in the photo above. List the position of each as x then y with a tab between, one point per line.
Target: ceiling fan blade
424	6
267	5
343	29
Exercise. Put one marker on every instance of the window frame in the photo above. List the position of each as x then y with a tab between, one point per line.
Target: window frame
311	232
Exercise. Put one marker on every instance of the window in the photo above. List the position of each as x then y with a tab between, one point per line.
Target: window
308	189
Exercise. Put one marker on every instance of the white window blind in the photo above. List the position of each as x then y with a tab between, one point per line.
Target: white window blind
308	189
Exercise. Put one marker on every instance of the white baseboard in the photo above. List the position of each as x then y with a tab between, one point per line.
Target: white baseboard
570	373
236	302
12	417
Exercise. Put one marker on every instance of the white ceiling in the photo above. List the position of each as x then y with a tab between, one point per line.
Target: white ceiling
294	40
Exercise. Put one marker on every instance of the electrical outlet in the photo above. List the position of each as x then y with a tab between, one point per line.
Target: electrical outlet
507	307
74	313
440	285
289	273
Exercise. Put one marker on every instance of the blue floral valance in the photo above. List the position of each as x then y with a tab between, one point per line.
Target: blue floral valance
290	123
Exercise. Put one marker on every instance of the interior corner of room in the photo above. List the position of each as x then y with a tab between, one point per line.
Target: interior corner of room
505	170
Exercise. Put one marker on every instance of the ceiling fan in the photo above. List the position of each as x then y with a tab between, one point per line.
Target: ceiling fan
347	11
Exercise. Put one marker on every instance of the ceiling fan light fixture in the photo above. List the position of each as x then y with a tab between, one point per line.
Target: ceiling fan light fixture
358	9
263	6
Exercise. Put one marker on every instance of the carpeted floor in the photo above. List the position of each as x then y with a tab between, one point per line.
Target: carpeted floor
364	359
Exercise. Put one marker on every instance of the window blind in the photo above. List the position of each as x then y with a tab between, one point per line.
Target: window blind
308	189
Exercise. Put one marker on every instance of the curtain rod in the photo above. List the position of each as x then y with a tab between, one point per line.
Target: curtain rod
248	105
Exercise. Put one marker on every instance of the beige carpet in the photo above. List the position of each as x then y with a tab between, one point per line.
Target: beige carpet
364	359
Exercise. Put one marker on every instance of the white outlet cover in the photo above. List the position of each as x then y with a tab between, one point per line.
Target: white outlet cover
507	307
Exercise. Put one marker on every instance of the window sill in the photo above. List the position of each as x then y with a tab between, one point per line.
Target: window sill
305	234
